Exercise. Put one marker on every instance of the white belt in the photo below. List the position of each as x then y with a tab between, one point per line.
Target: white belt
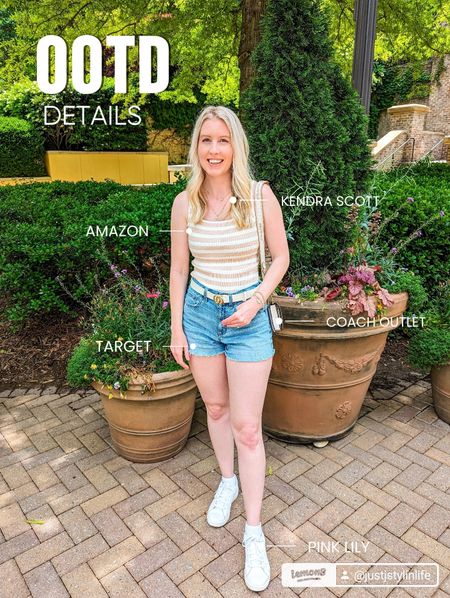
225	298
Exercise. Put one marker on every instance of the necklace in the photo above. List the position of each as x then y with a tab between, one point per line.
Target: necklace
223	207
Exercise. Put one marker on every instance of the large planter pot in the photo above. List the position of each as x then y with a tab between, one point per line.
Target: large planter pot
440	389
153	426
320	374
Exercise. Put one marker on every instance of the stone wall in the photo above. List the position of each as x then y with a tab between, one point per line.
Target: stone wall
387	153
426	124
438	118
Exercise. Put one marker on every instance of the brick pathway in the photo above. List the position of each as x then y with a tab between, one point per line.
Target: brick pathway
114	528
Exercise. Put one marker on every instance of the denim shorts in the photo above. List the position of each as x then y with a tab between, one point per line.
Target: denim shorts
206	336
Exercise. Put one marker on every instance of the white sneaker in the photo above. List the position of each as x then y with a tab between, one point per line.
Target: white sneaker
220	507
257	568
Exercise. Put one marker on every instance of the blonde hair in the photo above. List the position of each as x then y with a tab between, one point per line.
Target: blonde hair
241	176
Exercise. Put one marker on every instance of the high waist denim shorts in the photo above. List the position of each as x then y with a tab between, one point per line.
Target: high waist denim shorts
206	335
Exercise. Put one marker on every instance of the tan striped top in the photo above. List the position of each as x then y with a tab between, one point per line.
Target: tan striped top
225	257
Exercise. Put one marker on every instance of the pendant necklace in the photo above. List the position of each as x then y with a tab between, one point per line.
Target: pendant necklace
218	213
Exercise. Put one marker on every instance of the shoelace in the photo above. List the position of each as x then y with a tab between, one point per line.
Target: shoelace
255	551
220	498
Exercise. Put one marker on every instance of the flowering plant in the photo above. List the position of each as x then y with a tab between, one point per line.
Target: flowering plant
362	290
127	334
367	266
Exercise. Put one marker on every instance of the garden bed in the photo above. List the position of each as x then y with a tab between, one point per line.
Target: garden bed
37	354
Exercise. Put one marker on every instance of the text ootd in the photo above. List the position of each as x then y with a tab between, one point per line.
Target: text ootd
153	75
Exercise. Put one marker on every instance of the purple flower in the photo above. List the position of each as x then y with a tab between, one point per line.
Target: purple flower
441	213
116	385
117	274
419	233
394	250
124	271
165	304
289	292
137	288
410	199
113	267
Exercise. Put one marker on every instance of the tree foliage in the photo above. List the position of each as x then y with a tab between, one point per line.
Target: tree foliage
204	36
407	30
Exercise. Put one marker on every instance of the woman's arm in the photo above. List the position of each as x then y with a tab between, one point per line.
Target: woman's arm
179	260
275	237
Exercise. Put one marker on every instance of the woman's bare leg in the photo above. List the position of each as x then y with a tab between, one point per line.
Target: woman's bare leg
248	384
210	375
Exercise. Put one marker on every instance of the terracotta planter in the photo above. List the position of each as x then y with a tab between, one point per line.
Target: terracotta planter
440	390
320	374
153	426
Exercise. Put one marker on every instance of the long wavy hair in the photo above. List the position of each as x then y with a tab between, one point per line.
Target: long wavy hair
241	175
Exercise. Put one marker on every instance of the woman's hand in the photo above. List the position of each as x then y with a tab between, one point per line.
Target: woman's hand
178	346
244	314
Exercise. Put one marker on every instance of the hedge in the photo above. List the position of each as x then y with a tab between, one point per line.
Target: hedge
427	184
44	235
22	148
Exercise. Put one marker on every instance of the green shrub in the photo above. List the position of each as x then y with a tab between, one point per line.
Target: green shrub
25	100
306	128
412	284
22	149
430	345
429	348
427	184
43	235
124	311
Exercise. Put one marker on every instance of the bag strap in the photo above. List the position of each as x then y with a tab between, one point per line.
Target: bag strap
259	217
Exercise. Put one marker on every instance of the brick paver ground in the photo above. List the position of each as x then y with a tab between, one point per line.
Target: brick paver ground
115	528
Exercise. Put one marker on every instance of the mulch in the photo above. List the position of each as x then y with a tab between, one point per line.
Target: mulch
38	353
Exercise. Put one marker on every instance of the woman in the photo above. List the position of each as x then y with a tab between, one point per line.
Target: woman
221	325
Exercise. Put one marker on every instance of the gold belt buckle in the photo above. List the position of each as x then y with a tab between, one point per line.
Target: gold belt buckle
218	299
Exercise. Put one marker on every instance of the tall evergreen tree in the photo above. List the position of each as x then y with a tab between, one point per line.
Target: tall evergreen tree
306	128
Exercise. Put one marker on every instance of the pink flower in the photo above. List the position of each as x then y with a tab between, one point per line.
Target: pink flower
152	295
165	304
355	287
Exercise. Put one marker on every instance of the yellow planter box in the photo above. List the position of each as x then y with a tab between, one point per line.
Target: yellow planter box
128	168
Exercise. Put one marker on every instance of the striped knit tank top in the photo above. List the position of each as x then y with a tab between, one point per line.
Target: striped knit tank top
225	257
